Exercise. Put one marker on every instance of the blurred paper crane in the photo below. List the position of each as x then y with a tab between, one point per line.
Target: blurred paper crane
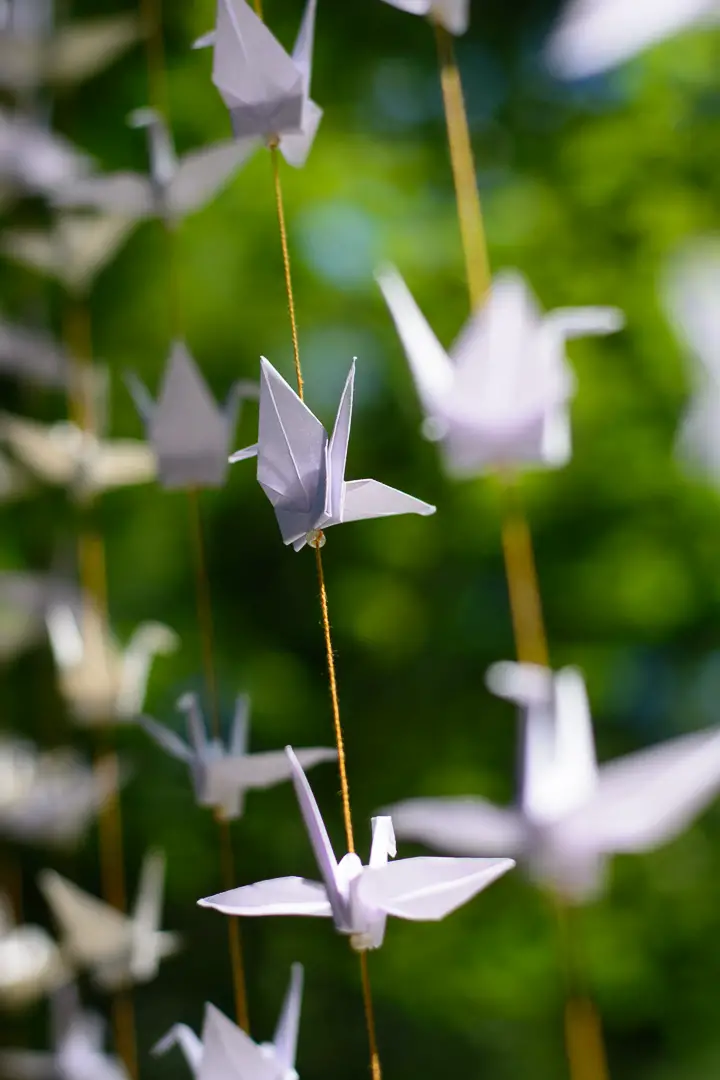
359	898
266	91
35	160
572	815
15	483
74	251
454	15
221	776
102	683
594	35
65	455
77	1054
118	950
31	355
691	291
226	1052
499	397
31	965
302	471
188	431
175	187
24	601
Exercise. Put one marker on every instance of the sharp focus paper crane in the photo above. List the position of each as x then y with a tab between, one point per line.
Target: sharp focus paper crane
359	898
118	950
571	815
500	396
226	1052
222	776
302	471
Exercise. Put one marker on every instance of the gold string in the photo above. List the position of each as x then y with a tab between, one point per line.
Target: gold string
286	265
375	1070
525	604
151	17
235	942
584	1045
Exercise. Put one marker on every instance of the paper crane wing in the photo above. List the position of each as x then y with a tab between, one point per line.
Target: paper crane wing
202	173
277	896
286	1033
47	451
579	322
32	355
147	913
121	462
338	449
93	931
371	499
428	888
454	15
125	193
296	147
168	740
240	731
27	1065
257	771
85	47
690	291
183	1036
229	1052
646	799
459	826
319	839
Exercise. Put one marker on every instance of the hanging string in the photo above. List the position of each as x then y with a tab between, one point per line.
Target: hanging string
583	1031
274	157
375	1071
234	939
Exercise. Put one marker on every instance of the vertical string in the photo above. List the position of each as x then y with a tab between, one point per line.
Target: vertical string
234	940
286	265
583	1032
151	17
375	1071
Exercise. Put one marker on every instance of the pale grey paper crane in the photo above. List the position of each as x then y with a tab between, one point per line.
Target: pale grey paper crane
118	950
35	160
572	815
25	599
499	397
175	188
302	471
360	898
188	431
77	1054
266	91
221	775
29	354
31	965
454	15
226	1052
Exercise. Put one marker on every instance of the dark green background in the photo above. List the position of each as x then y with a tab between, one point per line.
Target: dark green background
587	189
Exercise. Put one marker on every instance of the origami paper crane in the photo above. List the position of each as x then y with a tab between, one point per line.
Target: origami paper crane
65	455
74	251
118	950
454	15
500	396
221	776
35	160
24	600
188	431
102	683
359	898
594	35
31	965
173	190
15	483
572	815
226	1051
77	1054
690	294
31	355
302	472
267	92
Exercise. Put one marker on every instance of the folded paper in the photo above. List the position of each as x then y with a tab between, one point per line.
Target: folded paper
24	601
454	15
31	355
222	775
31	964
302	471
35	160
360	898
499	397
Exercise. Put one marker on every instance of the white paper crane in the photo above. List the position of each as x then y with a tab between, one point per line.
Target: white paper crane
359	898
454	15
78	1041
226	1052
572	815
175	187
35	160
64	455
302	471
102	683
118	950
499	397
266	91
222	776
31	964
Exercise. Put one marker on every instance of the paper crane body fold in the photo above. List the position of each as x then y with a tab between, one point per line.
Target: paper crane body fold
454	15
500	396
221	776
225	1051
302	471
118	950
189	433
572	815
359	898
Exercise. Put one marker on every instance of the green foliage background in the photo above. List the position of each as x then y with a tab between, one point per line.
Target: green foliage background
587	189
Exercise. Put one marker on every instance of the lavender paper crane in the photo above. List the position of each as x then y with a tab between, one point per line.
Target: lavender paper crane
572	815
500	396
31	964
454	15
118	950
175	188
266	91
35	160
188	431
221	776
225	1052
360	898
302	471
